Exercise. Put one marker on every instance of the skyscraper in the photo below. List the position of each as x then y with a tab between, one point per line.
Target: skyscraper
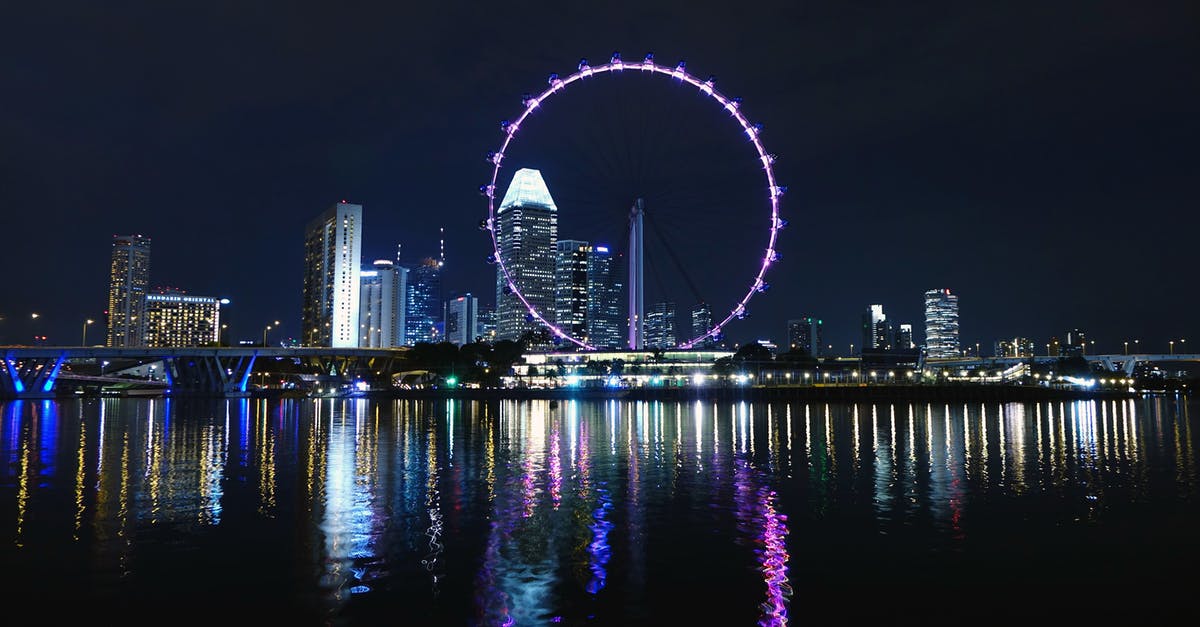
526	231
381	314
462	317
904	338
660	325
875	329
571	288
702	323
486	323
605	318
941	324
804	335
128	281
424	317
175	319
332	250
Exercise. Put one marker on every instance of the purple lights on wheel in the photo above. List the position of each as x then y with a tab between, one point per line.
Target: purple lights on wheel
678	72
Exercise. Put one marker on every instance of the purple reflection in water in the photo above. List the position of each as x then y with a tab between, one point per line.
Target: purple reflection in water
555	469
598	550
758	519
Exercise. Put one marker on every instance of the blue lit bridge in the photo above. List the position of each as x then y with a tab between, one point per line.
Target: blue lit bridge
37	372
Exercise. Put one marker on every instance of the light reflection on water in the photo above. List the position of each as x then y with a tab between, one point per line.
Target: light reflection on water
527	512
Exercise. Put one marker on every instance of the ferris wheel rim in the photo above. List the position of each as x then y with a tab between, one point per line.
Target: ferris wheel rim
705	87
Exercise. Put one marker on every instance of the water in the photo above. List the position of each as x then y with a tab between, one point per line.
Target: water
360	512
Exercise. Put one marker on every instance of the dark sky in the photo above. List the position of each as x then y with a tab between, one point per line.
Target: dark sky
1038	158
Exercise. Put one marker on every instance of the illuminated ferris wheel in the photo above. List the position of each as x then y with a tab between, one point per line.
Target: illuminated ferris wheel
769	209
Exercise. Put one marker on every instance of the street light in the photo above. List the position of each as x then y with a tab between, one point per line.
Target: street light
1126	347
1171	343
268	328
85	326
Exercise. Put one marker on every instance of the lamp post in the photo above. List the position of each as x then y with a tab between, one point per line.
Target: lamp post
1126	342
33	318
1171	344
85	326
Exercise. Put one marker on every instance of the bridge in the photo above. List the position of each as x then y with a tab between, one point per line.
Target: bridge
1113	363
35	372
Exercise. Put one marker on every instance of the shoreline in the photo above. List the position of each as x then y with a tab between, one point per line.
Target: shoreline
749	393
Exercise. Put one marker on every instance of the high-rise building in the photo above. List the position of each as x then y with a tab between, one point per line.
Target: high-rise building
804	335
128	282
904	338
702	323
462	320
571	288
486	324
175	319
875	329
605	319
381	314
1015	347
526	230
941	324
660	325
332	250
423	319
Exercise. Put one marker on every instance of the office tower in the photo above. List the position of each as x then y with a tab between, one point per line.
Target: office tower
702	323
128	282
904	339
526	230
941	324
381	315
1076	343
1015	347
571	288
462	320
875	329
660	325
423	319
175	319
332	249
804	335
486	324
605	315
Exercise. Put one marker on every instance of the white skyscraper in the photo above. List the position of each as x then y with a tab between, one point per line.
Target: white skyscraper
527	234
332	249
381	311
941	324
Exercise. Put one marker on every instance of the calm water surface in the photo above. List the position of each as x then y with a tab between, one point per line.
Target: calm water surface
360	512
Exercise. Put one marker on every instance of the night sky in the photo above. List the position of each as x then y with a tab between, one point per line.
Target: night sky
1038	158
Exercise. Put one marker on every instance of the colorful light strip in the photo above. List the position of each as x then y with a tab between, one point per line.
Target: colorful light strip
732	105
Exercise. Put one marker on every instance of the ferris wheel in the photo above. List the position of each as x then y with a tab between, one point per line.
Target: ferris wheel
770	222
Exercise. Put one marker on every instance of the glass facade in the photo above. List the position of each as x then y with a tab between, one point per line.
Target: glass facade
462	320
660	325
571	288
804	335
605	319
702	323
941	324
527	235
128	283
424	320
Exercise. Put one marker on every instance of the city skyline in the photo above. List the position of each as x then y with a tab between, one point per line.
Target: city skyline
1000	158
